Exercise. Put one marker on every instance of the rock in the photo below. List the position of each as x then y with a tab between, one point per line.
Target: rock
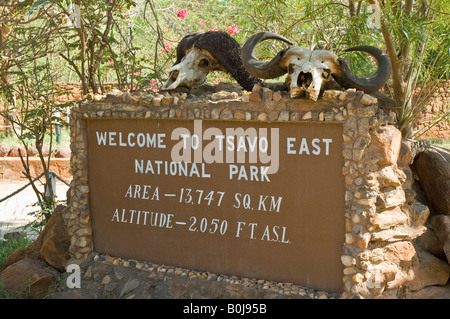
4	150
273	116
221	95
228	87
255	96
239	115
428	241
295	116
307	116
433	292
114	95
98	97
55	242
348	261
405	157
63	152
402	251
14	152
441	227
224	95
130	285
256	88
389	218
391	197
432	167
263	116
388	141
226	114
276	97
284	116
157	101
126	97
32	151
429	272
15	235
398	233
67	294
367	99
390	176
29	278
266	94
52	244
420	213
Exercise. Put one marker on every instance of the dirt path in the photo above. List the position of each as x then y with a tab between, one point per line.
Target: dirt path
14	212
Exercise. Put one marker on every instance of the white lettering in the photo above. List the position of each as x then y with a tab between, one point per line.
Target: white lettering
315	147
101	138
142	140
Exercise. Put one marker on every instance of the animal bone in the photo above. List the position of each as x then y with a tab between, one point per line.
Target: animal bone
200	53
311	71
192	70
308	71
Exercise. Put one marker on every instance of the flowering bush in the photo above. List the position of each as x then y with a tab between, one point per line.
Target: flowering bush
233	29
182	13
167	48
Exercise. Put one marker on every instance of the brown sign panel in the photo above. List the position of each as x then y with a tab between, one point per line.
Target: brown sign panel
253	199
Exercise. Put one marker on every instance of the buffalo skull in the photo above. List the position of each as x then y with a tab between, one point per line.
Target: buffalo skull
312	71
192	70
200	53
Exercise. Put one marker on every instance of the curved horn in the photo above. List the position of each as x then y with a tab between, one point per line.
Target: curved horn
186	44
262	70
227	53
347	79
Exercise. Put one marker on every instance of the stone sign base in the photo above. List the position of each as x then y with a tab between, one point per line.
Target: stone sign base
109	277
382	217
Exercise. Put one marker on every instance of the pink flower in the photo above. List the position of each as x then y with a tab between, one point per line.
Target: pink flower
213	29
201	21
166	49
217	80
182	13
233	29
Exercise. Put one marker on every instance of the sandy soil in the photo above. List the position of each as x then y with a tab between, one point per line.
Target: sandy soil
14	212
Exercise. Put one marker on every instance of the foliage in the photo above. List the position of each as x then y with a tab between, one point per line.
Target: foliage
7	247
417	42
133	42
12	141
27	85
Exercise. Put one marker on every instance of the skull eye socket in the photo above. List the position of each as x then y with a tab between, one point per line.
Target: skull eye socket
204	63
326	74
